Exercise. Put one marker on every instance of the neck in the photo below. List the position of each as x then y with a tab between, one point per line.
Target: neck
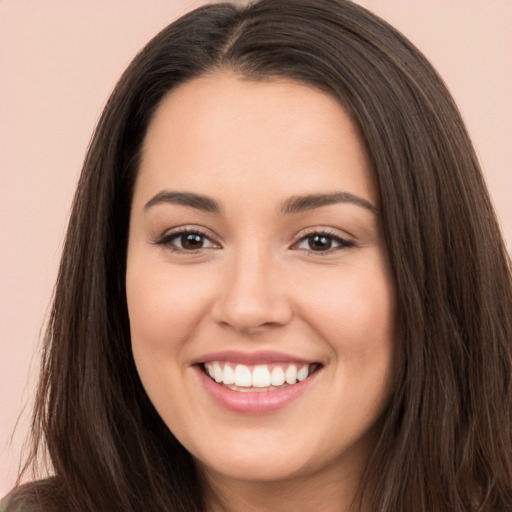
332	492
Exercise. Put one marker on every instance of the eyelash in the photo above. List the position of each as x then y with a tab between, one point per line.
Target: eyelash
169	237
342	243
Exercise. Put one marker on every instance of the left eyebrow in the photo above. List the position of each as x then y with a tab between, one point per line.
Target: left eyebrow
298	204
187	199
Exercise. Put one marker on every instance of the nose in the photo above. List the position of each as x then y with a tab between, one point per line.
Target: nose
252	295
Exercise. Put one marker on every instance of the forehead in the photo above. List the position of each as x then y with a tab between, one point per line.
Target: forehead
222	129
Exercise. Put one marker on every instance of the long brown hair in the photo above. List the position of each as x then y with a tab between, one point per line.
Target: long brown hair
446	441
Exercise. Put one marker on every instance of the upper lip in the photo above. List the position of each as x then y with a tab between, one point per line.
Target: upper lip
251	358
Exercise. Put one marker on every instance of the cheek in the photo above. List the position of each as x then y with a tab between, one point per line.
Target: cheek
354	308
354	313
359	325
165	305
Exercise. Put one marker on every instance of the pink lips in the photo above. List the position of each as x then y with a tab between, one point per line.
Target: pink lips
262	357
261	402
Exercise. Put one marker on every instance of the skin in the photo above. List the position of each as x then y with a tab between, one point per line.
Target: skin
255	283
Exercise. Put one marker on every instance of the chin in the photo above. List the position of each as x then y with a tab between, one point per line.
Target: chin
257	468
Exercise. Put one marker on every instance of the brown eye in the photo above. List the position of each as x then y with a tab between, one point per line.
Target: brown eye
323	242
319	242
191	241
187	241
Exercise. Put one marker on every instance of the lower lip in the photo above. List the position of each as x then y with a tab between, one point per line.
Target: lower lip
253	402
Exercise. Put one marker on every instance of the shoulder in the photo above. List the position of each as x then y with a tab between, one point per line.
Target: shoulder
38	496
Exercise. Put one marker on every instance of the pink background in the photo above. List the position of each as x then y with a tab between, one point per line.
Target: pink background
59	60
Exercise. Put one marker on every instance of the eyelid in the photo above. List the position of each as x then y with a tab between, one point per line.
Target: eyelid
343	242
167	236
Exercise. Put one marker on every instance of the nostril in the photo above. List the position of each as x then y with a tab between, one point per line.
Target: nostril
251	301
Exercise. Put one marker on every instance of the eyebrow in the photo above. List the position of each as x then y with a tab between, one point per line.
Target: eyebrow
299	204
187	199
295	204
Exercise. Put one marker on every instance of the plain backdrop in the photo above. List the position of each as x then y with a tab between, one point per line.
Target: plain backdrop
60	59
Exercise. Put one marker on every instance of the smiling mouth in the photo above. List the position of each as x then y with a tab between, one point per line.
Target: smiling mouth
259	377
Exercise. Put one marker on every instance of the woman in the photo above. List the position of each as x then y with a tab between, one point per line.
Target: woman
283	284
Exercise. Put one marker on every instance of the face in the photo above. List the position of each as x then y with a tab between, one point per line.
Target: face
260	297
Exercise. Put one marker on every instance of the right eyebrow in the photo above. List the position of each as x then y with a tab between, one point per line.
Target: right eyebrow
188	199
297	204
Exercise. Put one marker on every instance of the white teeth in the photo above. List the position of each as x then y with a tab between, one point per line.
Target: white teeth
243	376
291	374
277	377
303	373
229	375
261	377
217	372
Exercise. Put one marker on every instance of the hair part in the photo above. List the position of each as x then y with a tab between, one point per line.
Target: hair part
446	441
